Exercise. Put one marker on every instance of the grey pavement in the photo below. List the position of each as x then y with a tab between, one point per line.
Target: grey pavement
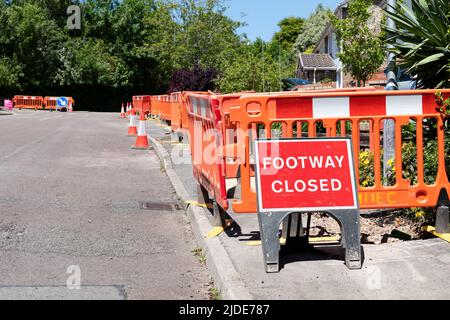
402	270
70	194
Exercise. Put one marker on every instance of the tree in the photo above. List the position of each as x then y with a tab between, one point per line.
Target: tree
362	51
195	79
421	41
290	28
252	69
312	29
31	39
206	36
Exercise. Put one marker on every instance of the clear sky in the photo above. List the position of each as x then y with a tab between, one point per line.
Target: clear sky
262	16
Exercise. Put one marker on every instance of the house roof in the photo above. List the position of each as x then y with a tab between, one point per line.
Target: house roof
319	61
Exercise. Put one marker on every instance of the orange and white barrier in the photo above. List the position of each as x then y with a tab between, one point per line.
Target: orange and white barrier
28	102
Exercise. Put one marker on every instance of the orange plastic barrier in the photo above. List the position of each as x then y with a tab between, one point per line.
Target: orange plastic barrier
50	102
28	102
175	112
164	104
179	121
160	107
142	104
204	122
206	130
336	113
154	101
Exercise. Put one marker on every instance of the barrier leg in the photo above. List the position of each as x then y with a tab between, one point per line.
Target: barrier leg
269	225
351	239
202	195
442	220
293	231
219	216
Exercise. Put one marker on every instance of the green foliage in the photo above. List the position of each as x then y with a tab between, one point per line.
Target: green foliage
251	69
290	28
10	73
206	35
362	51
312	29
124	47
29	38
421	41
128	47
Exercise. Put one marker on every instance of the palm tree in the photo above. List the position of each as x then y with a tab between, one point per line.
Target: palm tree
421	41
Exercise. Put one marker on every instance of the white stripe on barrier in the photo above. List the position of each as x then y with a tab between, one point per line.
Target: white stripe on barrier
403	105
331	107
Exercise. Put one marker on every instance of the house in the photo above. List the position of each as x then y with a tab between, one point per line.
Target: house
316	67
327	49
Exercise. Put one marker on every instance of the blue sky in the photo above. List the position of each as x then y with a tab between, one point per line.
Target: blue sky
262	16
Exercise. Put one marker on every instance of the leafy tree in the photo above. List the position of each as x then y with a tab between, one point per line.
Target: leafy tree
421	41
31	39
128	47
195	79
10	73
312	28
362	51
290	28
252	69
206	35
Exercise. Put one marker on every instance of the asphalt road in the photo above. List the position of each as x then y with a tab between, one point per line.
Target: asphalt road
70	188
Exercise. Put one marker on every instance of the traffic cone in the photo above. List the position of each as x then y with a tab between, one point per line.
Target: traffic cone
122	112
141	140
133	121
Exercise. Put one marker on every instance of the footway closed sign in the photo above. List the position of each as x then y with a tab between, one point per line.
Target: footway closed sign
305	174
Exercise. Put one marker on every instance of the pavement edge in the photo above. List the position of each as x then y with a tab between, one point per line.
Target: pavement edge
223	271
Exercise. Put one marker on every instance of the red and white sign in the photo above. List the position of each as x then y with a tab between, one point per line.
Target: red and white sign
305	175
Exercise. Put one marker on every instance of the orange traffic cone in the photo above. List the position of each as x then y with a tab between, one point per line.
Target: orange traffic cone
142	140
133	121
122	112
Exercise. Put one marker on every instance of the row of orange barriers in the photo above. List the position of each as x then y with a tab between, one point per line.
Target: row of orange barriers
38	102
226	125
400	141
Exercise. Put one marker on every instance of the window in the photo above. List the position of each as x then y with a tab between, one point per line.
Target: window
326	45
344	12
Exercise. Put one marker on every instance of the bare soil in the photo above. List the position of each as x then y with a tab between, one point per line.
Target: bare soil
381	228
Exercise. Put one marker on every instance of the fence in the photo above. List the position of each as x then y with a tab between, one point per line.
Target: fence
28	102
340	114
50	103
142	103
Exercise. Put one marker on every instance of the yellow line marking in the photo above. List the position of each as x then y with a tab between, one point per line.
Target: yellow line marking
311	240
195	203
432	230
324	239
218	230
215	232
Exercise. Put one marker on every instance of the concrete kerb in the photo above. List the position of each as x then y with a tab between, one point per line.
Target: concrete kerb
223	271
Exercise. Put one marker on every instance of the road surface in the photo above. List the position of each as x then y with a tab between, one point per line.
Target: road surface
71	225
